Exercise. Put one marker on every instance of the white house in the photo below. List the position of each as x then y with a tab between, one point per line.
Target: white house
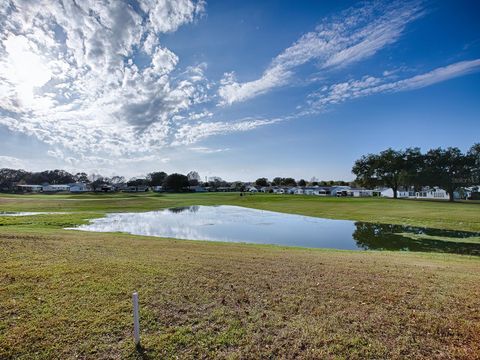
278	191
360	192
309	191
426	193
30	188
78	188
296	191
252	189
339	190
434	193
321	191
388	192
55	188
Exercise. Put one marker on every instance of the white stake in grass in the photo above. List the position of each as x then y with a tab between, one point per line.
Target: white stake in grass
136	319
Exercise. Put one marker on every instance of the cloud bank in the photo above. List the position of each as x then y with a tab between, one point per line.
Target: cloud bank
354	35
94	81
370	85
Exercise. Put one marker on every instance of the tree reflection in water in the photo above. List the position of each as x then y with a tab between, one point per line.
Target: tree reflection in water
180	209
372	236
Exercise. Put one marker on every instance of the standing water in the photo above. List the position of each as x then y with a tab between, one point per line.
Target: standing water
238	224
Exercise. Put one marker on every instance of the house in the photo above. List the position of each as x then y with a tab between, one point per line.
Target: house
433	193
359	192
108	188
309	190
388	192
158	188
78	187
339	191
138	188
252	189
322	191
55	188
295	190
425	193
30	188
471	193
197	188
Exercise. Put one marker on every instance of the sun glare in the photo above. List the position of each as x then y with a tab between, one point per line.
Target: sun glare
28	70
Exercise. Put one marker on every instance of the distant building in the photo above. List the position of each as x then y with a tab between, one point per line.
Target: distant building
339	191
425	193
198	189
55	188
360	192
434	193
29	188
78	188
138	188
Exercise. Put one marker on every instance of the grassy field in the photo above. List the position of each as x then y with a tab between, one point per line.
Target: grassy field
67	295
436	214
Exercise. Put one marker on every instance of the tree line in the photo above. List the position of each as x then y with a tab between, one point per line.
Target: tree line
449	169
10	178
279	181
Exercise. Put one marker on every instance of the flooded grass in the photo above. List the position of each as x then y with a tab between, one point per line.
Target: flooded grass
238	224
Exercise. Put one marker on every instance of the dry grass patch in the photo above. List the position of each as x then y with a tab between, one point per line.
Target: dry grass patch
68	295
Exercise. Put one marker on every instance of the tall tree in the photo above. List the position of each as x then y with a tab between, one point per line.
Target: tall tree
176	183
365	171
9	177
137	182
156	178
414	169
277	181
116	180
386	168
81	177
97	183
474	163
261	182
448	168
289	182
302	183
193	175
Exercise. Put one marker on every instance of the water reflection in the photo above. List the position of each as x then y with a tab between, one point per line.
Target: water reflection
238	224
371	236
30	213
180	209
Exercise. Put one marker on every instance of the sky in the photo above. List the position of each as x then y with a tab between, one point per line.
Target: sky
236	89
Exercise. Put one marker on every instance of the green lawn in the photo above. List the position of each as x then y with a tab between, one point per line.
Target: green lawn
437	214
67	294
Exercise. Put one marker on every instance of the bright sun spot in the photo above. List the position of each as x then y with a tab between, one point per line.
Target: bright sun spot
27	70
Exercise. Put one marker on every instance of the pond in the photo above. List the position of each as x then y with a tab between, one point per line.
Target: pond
27	213
238	224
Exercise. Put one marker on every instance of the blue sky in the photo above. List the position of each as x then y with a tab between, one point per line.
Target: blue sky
234	89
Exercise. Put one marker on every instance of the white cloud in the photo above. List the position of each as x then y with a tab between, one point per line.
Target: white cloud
206	150
11	162
94	80
369	85
356	34
68	76
191	133
169	15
